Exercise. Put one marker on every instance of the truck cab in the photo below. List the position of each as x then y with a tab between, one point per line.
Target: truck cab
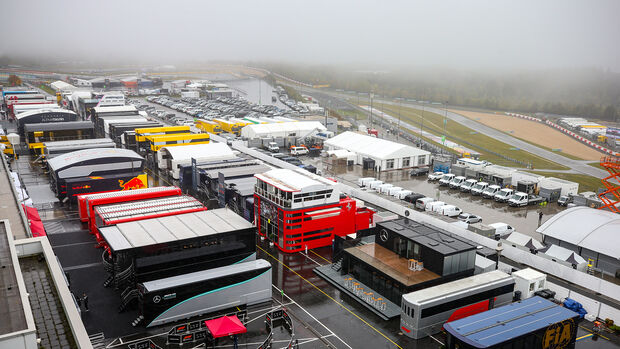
456	182
445	179
273	147
504	195
490	191
478	188
467	185
564	200
518	199
501	230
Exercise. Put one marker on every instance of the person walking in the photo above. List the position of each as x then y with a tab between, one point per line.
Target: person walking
540	216
79	302
85	301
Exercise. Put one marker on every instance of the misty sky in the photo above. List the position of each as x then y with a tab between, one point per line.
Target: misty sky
456	34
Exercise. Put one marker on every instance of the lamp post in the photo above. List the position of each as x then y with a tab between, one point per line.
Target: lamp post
398	130
371	95
499	250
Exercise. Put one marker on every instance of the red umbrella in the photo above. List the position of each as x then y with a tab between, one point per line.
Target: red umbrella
225	326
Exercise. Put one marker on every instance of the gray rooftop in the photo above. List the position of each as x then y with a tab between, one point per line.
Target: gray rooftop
58	126
130	235
12	310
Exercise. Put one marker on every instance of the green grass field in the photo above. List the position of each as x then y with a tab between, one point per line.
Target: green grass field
586	183
454	129
597	165
47	89
353	113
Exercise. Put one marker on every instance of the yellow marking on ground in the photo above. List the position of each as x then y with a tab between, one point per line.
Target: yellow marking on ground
587	335
328	296
323	258
589	330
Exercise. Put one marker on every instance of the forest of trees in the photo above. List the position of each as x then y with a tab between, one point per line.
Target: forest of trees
591	93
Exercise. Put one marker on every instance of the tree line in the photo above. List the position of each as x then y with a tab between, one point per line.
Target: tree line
586	92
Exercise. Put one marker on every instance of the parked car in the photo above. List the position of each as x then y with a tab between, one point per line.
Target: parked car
413	197
374	184
419	171
421	203
299	151
435	176
446	179
450	210
456	182
504	195
292	160
467	185
469	218
393	190
490	191
524	199
273	147
478	188
402	194
502	229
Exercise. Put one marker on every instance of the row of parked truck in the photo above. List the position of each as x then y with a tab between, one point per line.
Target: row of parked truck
486	190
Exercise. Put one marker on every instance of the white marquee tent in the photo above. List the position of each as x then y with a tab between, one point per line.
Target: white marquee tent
283	129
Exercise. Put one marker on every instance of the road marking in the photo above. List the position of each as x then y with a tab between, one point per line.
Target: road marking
330	297
586	336
598	334
323	258
74	244
81	266
436	340
305	255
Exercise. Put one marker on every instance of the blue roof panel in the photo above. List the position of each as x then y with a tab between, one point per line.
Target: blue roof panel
507	322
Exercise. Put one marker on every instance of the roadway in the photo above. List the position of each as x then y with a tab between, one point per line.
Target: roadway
579	166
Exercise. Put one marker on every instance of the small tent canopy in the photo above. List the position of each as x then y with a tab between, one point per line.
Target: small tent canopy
225	326
282	129
524	241
564	254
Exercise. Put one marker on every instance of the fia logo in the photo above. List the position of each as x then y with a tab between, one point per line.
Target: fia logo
558	335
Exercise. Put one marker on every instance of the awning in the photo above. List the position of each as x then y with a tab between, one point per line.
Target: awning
32	213
36	227
225	326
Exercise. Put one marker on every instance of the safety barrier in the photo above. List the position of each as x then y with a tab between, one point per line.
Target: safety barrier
358	290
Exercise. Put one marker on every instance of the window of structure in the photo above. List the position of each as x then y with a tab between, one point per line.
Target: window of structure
389	164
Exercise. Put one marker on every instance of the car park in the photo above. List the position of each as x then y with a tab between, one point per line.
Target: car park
446	179
469	218
435	176
490	191
450	210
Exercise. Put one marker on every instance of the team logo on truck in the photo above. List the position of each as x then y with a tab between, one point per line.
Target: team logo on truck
558	335
138	182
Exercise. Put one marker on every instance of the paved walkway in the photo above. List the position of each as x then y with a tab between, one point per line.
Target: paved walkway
9	208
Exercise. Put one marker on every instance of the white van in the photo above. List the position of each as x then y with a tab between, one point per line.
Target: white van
362	182
467	185
450	210
504	195
401	194
456	182
502	229
384	188
489	193
420	204
299	151
434	206
393	190
478	188
374	184
445	179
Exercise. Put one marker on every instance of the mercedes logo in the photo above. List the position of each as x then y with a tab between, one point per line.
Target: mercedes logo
156	299
383	235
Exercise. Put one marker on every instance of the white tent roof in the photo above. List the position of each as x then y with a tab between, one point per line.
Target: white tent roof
341	153
62	86
524	240
372	147
596	230
564	254
281	129
199	151
295	180
43	110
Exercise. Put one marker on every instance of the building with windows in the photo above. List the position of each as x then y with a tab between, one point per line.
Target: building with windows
379	154
296	209
407	256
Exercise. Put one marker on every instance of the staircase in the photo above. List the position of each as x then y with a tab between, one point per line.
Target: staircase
127	297
612	165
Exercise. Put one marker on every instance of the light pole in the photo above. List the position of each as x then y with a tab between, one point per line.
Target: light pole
398	130
371	95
